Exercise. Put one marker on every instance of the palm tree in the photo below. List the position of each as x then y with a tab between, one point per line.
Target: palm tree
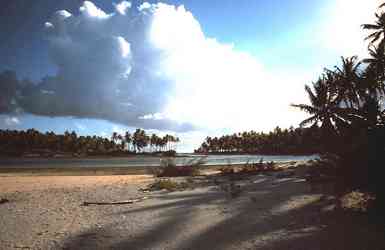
114	137
374	74
347	81
325	108
128	139
136	139
278	141
177	140
122	142
140	140
378	28
371	112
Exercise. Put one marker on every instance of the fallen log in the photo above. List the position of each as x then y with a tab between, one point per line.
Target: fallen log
3	200
86	203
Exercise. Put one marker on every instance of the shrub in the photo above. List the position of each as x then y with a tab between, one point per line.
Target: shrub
259	167
168	185
227	170
357	201
164	184
170	153
168	168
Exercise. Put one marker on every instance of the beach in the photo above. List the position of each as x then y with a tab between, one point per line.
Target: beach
269	212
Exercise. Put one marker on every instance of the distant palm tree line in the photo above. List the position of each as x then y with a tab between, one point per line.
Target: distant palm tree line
139	141
347	103
293	141
13	142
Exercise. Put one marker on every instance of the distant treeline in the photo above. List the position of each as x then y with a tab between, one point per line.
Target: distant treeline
293	141
17	143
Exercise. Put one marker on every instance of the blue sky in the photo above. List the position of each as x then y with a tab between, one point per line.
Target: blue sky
270	44
259	27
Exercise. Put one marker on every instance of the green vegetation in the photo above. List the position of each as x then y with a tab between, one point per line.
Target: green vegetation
169	185
357	201
18	143
260	167
298	141
347	104
168	168
250	168
228	170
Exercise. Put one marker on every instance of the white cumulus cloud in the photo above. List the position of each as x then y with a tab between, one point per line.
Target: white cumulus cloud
152	66
11	121
122	7
341	29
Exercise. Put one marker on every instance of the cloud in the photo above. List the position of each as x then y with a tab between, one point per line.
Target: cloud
151	66
341	29
118	129
9	85
105	61
122	7
80	126
11	121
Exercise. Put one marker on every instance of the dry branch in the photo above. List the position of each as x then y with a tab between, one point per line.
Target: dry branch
131	201
3	200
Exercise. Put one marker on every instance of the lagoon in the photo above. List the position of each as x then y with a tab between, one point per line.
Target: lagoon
143	161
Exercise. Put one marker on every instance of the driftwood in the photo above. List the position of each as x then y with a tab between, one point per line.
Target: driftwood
3	200
131	201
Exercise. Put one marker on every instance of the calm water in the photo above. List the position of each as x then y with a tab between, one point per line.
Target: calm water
145	161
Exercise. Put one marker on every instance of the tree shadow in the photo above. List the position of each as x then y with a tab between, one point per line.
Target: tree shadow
267	215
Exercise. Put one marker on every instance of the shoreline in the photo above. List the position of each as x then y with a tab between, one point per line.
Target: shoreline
105	171
178	155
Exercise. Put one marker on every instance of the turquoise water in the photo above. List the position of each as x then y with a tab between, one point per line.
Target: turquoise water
144	161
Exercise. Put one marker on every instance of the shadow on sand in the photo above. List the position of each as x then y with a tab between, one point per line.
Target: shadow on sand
267	215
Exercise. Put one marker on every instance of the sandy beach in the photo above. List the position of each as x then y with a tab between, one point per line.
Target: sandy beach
46	212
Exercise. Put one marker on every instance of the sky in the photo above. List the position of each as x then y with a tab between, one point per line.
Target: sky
190	68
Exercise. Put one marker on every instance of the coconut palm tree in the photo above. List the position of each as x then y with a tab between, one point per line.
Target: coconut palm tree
327	109
153	142
128	139
114	137
378	28
374	75
347	81
324	107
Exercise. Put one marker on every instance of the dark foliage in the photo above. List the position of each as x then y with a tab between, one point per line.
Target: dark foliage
299	141
347	104
33	142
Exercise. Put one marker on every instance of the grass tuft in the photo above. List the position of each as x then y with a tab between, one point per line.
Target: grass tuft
169	185
168	168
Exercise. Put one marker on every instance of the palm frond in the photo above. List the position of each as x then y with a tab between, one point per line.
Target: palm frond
368	60
307	108
312	97
372	51
370	26
374	37
313	119
356	66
